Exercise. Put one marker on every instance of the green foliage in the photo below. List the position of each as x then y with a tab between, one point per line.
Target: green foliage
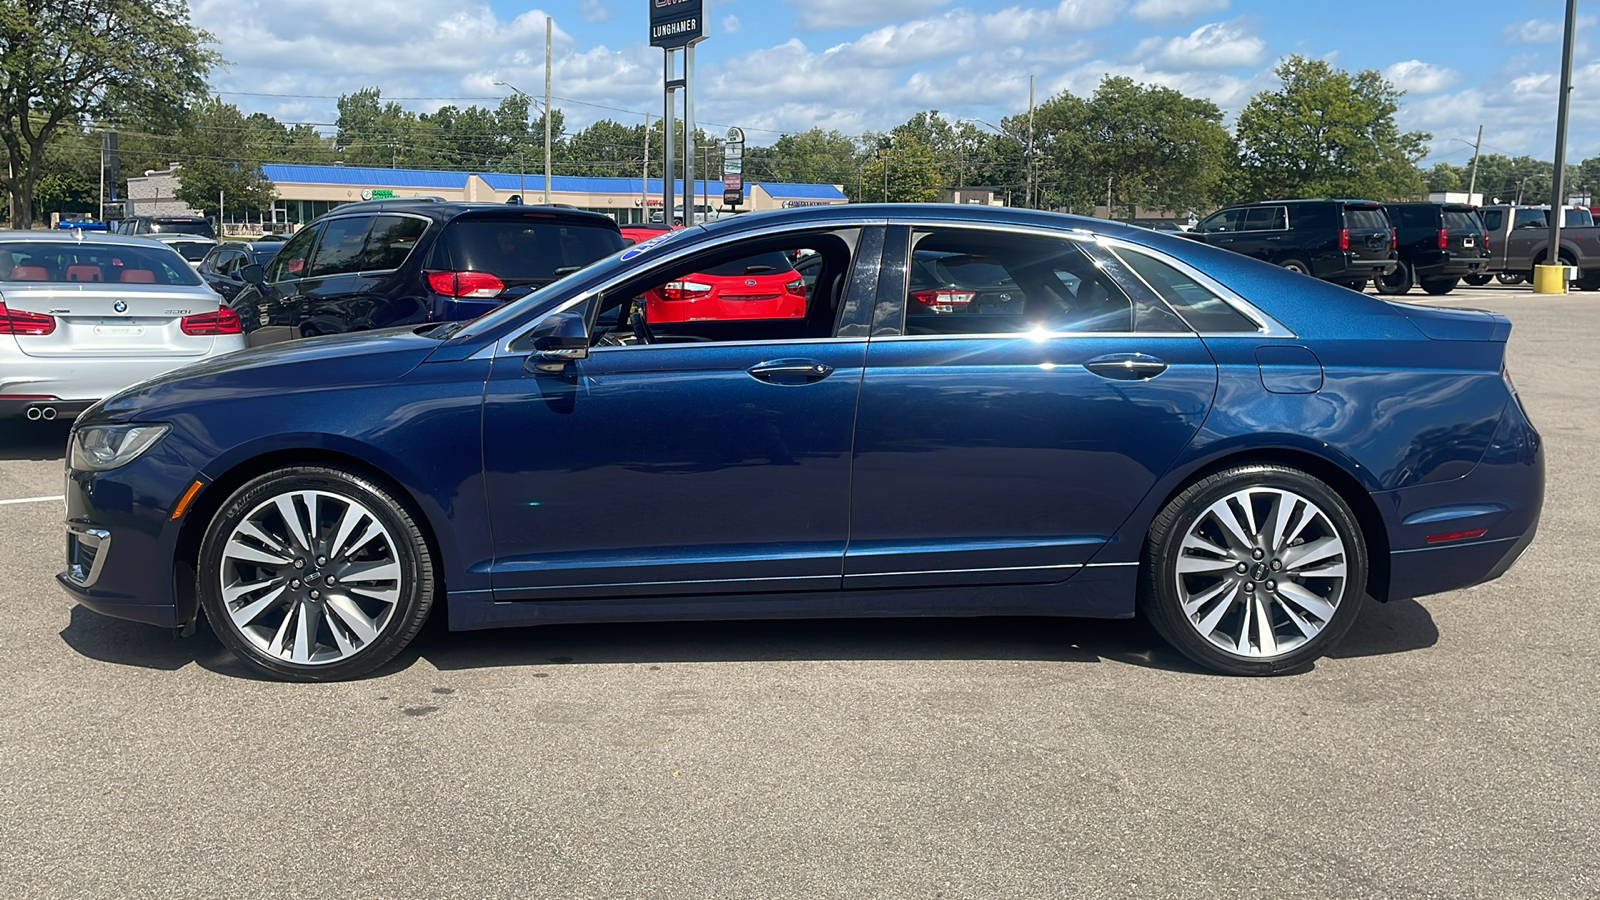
1327	133
1445	177
65	61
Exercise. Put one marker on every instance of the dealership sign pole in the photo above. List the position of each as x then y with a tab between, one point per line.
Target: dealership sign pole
678	25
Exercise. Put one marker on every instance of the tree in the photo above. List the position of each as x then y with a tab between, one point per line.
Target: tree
64	61
1327	133
808	157
1446	177
911	174
1157	147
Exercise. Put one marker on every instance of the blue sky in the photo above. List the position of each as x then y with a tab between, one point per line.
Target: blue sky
773	66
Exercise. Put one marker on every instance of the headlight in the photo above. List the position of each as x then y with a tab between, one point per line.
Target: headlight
102	447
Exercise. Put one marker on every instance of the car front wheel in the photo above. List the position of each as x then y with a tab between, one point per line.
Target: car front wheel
315	573
1256	570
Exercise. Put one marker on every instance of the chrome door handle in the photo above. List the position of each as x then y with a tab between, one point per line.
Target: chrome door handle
790	371
1126	366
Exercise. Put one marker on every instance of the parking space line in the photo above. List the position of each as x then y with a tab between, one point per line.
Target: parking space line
21	500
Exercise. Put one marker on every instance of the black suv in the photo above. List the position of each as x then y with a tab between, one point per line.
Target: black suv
167	225
1343	241
1439	244
385	263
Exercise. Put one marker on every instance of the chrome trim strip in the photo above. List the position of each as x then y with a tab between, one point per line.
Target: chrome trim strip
595	351
101	543
962	571
622	584
1036	336
1267	326
1109	565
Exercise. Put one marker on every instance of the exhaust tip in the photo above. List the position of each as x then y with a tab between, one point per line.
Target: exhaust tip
35	413
48	414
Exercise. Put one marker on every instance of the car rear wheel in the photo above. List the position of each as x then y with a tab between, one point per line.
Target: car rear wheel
1440	287
1358	285
1296	265
1478	280
1257	570
315	574
1397	282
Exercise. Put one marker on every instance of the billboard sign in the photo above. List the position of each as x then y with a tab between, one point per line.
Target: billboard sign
733	168
676	23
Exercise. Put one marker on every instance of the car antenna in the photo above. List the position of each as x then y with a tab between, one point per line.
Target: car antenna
78	233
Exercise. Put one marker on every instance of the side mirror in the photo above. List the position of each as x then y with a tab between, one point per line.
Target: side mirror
560	339
253	274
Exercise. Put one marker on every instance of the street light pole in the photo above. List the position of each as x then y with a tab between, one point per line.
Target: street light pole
549	27
1551	278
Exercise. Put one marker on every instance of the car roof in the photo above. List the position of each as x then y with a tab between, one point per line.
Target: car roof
953	213
444	211
92	237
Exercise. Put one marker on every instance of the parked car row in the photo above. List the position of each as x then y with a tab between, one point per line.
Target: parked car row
1399	246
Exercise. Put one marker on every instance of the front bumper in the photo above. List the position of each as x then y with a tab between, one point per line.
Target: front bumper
121	543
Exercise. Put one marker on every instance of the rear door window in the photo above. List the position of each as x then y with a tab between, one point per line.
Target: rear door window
1532	218
1201	309
1266	218
339	250
1225	222
390	241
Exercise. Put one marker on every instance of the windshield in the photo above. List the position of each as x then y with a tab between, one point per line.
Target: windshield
566	287
60	262
193	251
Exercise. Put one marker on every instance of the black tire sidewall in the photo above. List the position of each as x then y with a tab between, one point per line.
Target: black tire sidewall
1296	264
410	548
1441	287
1158	599
1399	288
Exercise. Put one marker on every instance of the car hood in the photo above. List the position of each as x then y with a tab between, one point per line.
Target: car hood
344	361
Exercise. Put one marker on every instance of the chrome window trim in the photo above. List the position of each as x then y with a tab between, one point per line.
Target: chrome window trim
849	575
1035	336
686	345
681	252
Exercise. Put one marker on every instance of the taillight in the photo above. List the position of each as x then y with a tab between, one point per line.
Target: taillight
19	322
1394	239
797	286
943	301
223	321
1444	239
465	284
1344	239
679	291
1486	241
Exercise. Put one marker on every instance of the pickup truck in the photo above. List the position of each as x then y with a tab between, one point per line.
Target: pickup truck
1519	239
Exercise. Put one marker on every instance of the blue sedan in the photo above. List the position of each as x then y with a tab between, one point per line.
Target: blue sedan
1068	418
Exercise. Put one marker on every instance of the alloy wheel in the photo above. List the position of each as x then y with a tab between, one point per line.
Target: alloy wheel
1261	572
310	578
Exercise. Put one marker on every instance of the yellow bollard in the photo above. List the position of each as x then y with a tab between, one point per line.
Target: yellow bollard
1549	279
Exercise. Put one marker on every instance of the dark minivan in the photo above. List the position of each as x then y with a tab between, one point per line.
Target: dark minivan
1343	241
385	263
1439	244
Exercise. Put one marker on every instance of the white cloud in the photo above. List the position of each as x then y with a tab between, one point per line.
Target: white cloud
1533	31
594	11
916	40
731	25
822	14
1174	10
1417	77
1016	24
1213	46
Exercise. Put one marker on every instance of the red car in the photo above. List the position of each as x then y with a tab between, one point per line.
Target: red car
765	286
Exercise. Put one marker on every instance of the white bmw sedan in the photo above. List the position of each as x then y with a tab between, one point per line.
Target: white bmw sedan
82	317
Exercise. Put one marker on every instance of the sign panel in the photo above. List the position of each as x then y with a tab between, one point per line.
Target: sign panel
733	168
676	23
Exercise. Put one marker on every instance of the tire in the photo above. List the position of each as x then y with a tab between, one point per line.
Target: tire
1192	592
1478	280
284	607
1590	280
1359	285
1295	264
1440	287
1396	283
1510	278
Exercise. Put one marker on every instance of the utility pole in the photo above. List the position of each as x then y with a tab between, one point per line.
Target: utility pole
1472	183
1109	179
1551	278
1031	203
549	27
644	178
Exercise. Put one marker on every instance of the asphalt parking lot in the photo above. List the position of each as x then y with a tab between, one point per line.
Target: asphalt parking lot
1446	750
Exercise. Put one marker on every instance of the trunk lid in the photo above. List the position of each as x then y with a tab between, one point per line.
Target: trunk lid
1447	324
114	320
